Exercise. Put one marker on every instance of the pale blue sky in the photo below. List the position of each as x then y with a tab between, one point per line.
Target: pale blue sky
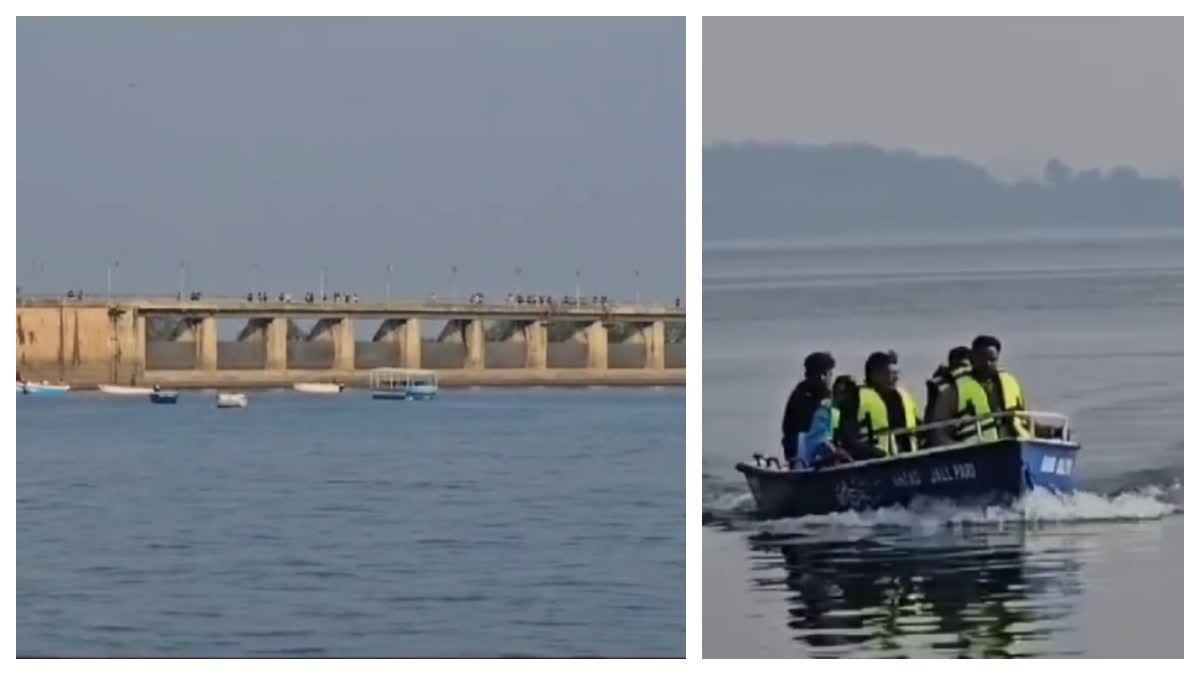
1009	93
292	144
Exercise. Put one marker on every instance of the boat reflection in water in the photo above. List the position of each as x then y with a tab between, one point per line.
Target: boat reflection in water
962	594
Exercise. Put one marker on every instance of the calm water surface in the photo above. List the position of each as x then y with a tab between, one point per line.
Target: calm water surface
538	522
1094	329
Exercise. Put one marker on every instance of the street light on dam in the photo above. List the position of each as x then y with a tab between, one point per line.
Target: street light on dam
111	269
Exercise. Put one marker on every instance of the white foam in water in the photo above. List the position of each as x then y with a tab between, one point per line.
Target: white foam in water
731	501
1035	508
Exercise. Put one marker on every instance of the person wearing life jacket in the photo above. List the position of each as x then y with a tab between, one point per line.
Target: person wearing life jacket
819	448
958	361
985	390
882	409
804	400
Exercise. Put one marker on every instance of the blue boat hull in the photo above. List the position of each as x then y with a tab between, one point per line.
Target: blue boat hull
164	399
983	473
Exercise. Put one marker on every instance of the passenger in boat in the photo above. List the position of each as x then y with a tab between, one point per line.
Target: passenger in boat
804	400
958	361
819	449
984	390
881	408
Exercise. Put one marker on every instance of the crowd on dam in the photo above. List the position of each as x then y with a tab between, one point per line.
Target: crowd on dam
477	298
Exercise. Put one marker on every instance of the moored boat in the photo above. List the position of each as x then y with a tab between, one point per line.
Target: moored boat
976	471
121	390
44	389
231	400
318	388
403	384
164	397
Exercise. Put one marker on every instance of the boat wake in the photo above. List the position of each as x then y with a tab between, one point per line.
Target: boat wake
733	507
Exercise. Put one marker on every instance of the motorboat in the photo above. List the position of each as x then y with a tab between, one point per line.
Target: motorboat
121	390
43	388
974	470
403	384
231	400
164	397
318	388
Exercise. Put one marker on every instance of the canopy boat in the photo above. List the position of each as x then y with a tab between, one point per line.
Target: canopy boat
403	384
164	397
120	390
230	400
42	389
318	388
974	470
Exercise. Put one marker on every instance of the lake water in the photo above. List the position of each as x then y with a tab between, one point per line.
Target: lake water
1092	326
485	523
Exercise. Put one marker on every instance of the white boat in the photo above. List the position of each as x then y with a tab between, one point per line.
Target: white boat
227	400
403	384
42	388
119	390
318	388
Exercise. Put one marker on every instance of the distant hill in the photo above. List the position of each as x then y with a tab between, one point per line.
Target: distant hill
769	190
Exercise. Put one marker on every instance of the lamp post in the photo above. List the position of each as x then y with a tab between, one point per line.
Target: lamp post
112	268
637	287
453	283
517	274
388	284
577	275
322	286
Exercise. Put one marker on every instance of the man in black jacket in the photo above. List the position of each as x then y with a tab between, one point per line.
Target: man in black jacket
803	402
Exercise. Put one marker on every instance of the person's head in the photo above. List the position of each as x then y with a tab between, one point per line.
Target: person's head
959	356
845	389
883	370
985	355
818	367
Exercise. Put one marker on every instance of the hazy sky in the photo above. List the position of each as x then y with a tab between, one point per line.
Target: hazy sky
260	150
1008	93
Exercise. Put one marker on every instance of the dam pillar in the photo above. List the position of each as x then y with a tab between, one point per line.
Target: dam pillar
343	344
139	345
205	331
654	336
410	343
535	345
597	343
276	343
475	344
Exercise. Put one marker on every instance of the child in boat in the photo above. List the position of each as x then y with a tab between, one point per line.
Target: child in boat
819	449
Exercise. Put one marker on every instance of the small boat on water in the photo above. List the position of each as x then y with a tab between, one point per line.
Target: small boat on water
230	400
43	388
403	384
120	390
164	397
976	471
318	388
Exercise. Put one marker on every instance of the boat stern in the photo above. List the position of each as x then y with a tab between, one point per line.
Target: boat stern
1049	465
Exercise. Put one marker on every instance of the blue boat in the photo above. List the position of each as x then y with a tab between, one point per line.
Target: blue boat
403	384
164	397
974	472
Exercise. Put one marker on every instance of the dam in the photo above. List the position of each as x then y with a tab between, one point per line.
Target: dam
239	343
